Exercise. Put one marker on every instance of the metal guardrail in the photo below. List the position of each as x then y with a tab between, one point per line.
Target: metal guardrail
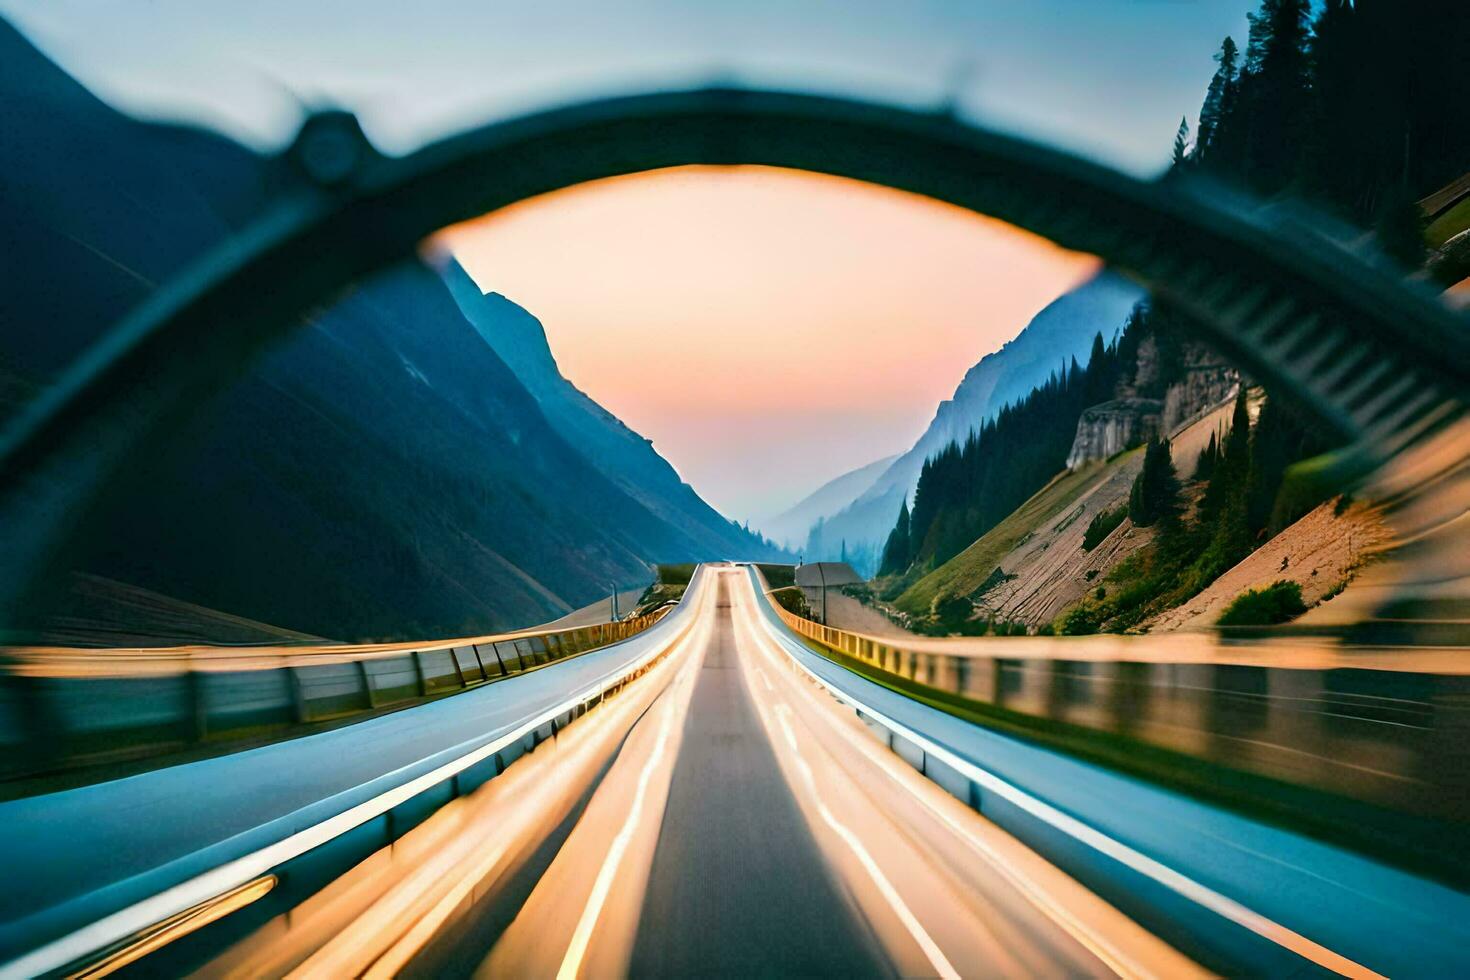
1383	727
64	708
260	875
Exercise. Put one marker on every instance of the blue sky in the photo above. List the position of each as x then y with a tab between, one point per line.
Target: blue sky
1109	78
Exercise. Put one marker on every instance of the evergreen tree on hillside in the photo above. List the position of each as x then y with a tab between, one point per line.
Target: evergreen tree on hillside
1274	93
1181	143
896	554
1101	376
1154	497
1280	438
1218	100
1232	462
1334	126
1224	511
1208	456
1235	455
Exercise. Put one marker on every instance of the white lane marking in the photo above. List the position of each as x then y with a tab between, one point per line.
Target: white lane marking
187	894
890	894
1187	887
571	962
1090	939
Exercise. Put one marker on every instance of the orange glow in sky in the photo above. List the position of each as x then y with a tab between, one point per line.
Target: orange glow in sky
768	329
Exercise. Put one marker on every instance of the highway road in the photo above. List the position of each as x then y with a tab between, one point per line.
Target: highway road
721	817
722	810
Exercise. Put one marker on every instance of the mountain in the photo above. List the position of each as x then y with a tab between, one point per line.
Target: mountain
382	474
1063	330
792	526
621	454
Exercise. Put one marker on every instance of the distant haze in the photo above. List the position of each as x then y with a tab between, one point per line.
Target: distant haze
767	329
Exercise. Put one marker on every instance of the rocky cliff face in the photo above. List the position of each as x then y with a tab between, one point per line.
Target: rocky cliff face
1201	389
1192	382
1106	429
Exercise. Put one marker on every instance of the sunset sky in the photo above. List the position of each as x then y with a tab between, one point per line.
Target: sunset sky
767	329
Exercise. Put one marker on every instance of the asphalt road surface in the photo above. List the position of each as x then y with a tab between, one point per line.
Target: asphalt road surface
722	813
721	816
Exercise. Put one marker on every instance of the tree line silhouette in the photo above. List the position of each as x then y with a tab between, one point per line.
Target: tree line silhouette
1362	109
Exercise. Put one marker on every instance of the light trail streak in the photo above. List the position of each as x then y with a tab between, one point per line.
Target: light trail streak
942	807
448	858
591	910
1180	884
134	919
571	963
890	894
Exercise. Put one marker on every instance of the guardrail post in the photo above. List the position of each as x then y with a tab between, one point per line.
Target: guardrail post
498	661
418	669
298	696
367	684
198	710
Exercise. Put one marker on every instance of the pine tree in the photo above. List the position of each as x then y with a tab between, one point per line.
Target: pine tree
896	551
1099	379
1236	454
1271	453
1276	92
1208	456
1155	493
1224	512
1232	461
1181	143
1212	113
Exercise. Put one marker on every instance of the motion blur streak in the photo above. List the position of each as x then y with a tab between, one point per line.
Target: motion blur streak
962	874
378	917
931	951
1193	890
571	964
922	886
1124	947
615	835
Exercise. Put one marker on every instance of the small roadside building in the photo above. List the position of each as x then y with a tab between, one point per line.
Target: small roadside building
819	576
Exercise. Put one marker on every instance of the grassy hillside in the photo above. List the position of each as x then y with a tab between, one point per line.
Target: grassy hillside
968	570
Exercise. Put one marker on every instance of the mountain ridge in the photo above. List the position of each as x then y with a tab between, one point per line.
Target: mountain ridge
382	474
624	455
1063	329
791	526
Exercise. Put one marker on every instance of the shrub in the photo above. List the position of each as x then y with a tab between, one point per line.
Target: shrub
793	601
951	613
1105	522
1276	603
1083	619
779	576
675	574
